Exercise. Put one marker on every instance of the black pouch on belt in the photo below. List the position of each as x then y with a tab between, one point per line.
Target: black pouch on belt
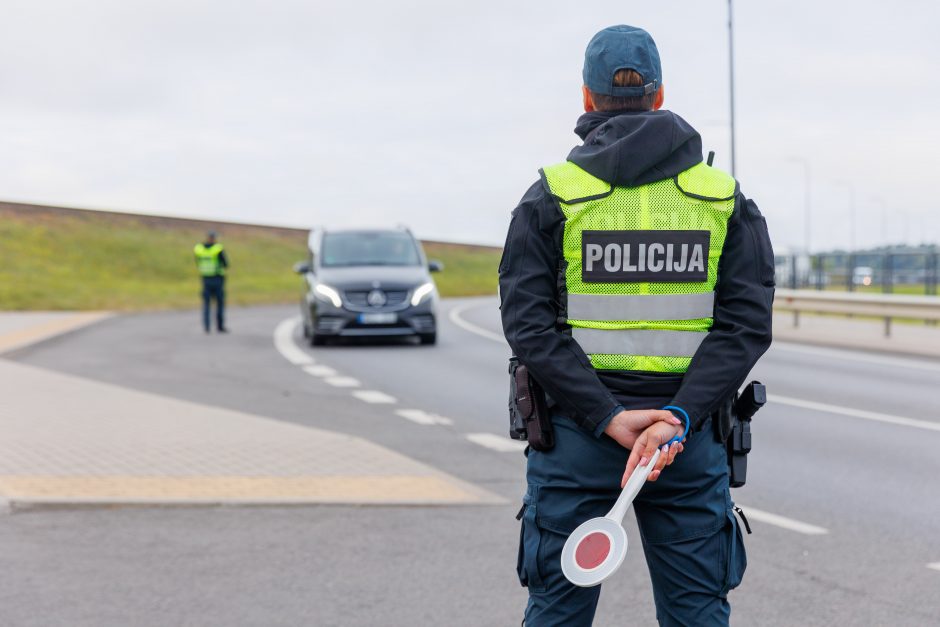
745	405
528	412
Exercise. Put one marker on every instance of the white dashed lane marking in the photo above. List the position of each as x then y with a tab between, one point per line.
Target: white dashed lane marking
284	342
343	382
320	371
496	442
423	418
374	396
934	566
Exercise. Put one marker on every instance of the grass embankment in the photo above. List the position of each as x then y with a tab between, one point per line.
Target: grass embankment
56	259
468	270
904	289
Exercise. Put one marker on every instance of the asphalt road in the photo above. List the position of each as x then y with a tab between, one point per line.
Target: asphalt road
845	459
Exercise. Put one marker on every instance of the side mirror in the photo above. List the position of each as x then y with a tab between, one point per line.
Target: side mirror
435	266
301	267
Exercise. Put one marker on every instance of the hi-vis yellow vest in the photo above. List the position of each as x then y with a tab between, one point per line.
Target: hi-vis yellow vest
641	264
207	259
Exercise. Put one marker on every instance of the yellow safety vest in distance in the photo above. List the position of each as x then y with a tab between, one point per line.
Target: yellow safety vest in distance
641	264
207	260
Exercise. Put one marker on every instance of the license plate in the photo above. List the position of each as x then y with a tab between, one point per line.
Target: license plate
378	318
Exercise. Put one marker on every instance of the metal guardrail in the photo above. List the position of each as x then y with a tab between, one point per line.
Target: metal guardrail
886	306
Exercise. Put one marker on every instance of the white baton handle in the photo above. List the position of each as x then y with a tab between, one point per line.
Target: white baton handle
632	488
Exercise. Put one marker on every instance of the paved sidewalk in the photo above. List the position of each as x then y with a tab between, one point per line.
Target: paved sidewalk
22	328
844	332
67	440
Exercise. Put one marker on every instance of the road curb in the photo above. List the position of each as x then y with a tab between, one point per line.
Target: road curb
44	326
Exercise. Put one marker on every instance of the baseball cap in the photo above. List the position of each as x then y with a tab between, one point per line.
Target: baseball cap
622	48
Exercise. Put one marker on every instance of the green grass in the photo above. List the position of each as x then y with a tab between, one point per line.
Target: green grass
468	270
908	289
61	259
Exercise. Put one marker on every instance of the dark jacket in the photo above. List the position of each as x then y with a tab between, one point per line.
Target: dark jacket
630	149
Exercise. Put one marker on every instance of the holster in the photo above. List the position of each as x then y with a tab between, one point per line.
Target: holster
732	425
739	445
528	411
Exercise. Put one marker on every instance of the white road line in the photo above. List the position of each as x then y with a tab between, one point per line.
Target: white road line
496	442
374	396
423	418
343	382
934	565
885	361
855	413
284	343
783	400
454	316
782	521
320	371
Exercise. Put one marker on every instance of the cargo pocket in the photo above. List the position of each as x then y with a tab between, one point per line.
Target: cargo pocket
734	557
530	540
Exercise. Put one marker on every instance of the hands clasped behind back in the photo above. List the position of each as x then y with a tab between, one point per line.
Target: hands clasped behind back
643	431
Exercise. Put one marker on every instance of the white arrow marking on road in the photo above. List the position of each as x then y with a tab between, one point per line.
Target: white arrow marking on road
343	382
782	521
284	343
855	413
374	396
454	316
320	371
423	418
934	565
496	442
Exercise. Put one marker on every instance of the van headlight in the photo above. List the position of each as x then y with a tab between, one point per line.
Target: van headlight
325	292
421	292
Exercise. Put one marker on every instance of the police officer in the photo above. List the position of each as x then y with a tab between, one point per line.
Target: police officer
211	263
635	276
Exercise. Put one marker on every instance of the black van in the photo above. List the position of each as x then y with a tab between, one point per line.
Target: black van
368	283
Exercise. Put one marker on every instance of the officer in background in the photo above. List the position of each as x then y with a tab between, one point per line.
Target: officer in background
634	277
211	262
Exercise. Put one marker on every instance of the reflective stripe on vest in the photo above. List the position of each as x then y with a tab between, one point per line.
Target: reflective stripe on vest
641	307
646	342
207	259
641	263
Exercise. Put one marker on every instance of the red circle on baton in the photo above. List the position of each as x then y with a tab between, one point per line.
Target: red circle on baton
592	550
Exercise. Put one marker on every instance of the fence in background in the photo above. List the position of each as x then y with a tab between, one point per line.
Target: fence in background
884	306
905	272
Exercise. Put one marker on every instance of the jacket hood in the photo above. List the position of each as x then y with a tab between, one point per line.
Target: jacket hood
635	148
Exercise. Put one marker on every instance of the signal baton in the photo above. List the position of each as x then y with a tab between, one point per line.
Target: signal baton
595	550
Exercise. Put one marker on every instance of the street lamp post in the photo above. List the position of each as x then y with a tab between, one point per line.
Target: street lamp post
807	210
887	261
731	78
850	283
853	221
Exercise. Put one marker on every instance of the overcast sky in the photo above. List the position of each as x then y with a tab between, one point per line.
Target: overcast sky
438	114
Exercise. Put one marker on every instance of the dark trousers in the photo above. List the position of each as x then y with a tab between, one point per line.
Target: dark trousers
213	287
691	540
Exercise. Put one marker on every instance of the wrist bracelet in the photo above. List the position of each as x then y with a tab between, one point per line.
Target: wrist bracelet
685	417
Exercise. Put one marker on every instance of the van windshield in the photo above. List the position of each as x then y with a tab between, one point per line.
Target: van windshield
377	248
